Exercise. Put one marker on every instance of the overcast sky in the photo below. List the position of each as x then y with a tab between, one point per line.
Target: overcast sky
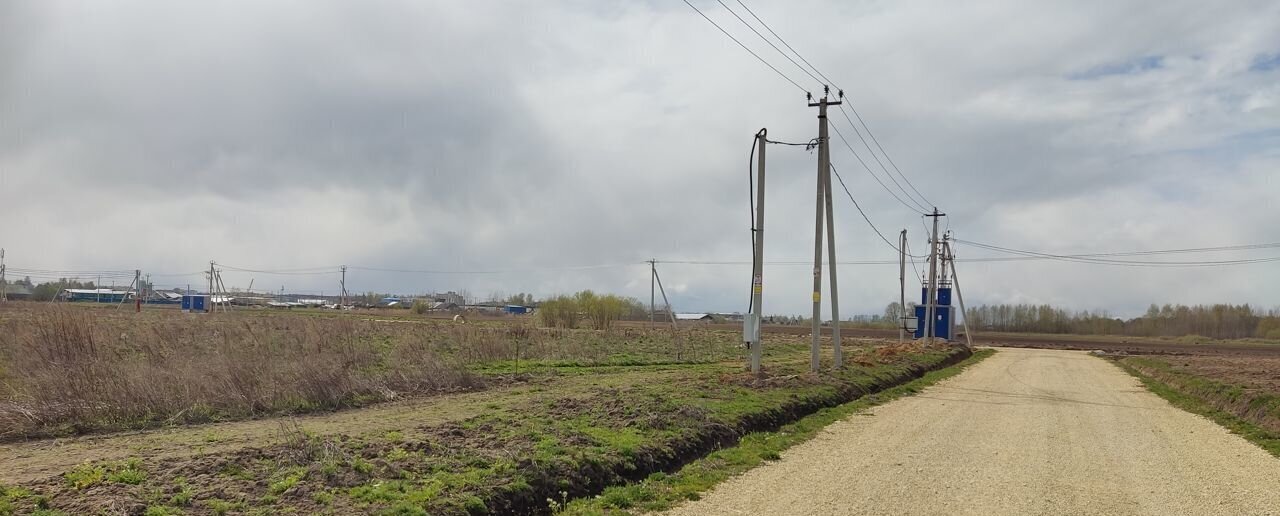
528	137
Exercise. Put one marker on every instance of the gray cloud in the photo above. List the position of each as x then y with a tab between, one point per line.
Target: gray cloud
526	137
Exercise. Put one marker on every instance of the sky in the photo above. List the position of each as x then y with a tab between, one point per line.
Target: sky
549	147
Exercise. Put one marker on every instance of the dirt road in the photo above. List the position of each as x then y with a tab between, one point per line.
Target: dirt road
1026	431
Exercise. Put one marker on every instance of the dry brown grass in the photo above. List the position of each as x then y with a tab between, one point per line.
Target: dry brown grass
71	369
74	370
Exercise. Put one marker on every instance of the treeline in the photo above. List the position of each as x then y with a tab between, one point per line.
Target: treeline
48	290
1222	321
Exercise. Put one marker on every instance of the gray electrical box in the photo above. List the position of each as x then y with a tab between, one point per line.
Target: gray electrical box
751	328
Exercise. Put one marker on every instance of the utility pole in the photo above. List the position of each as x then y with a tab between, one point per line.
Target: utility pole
137	290
932	302
4	287
653	275
344	286
824	200
902	285
753	333
675	328
968	337
208	307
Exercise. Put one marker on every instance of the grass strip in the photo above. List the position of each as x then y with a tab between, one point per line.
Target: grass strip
1177	388
661	491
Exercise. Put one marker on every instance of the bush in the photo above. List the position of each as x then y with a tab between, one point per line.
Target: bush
559	312
564	311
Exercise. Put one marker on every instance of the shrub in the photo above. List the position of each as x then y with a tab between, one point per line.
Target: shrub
559	312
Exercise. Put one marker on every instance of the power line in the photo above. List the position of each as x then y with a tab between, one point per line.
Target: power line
886	154
864	214
872	173
913	262
855	110
307	271
1096	258
744	47
878	162
784	43
766	40
809	144
497	271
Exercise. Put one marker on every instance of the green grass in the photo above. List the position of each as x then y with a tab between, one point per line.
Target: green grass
1196	394
564	429
219	507
661	491
287	480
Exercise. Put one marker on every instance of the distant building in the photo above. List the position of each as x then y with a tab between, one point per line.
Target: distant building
696	317
98	295
450	297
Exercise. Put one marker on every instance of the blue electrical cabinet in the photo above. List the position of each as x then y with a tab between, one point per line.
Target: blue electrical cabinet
942	326
193	302
920	315
942	314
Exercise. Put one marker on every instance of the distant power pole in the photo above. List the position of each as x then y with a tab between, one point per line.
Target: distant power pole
4	287
824	201
931	303
344	286
653	274
902	285
137	290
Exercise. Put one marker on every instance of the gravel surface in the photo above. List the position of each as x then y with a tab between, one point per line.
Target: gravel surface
1026	431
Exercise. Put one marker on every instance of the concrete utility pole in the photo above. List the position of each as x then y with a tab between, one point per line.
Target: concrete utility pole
343	283
902	285
653	275
137	290
675	328
753	332
968	337
824	201
4	286
931	303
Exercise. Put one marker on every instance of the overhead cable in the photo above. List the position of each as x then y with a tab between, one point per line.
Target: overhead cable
749	51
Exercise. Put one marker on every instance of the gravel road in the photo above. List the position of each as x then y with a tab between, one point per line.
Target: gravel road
1026	431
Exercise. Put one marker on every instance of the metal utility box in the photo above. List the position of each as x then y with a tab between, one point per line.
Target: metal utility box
751	328
942	324
944	296
194	302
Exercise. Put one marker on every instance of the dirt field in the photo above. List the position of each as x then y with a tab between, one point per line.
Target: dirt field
1250	372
